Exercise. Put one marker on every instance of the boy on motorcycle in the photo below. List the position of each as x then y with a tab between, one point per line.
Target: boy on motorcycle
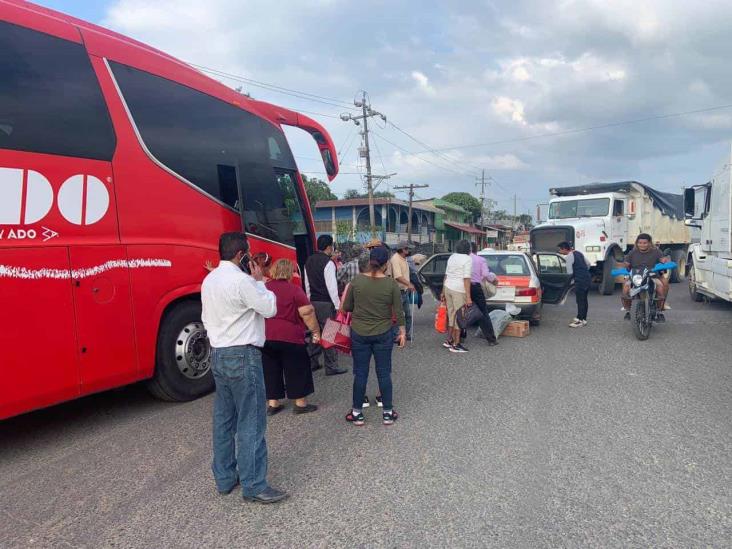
645	254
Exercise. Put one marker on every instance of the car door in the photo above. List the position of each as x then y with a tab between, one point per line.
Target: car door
551	269
432	273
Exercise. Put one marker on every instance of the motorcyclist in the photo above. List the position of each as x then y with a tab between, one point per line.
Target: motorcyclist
645	254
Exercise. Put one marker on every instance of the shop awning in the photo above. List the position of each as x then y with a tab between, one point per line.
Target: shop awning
464	228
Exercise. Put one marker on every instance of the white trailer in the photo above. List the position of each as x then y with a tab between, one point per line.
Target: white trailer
709	207
602	220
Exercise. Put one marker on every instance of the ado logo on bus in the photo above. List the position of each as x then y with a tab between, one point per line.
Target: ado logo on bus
82	200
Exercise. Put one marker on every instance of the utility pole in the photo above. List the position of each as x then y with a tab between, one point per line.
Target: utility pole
411	188
482	183
514	213
367	112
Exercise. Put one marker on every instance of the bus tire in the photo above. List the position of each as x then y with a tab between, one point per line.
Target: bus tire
607	284
183	357
679	273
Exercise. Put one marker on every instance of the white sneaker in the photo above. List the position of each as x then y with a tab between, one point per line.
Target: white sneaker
577	323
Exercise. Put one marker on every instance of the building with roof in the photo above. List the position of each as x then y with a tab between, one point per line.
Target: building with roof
453	223
348	220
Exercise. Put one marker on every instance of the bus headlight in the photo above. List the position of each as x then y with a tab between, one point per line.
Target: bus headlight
592	248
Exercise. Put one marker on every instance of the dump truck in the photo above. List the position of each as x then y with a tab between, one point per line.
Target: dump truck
602	220
709	208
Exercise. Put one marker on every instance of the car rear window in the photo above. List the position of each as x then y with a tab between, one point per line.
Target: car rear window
507	265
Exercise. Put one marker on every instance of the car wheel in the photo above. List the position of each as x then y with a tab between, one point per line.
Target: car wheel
183	361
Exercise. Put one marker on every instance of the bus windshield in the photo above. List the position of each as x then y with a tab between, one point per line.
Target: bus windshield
591	207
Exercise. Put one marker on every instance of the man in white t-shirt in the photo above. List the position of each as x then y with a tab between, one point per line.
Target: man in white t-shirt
456	292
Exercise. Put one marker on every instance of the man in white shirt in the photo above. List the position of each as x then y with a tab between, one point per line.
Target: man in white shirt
235	305
456	292
321	285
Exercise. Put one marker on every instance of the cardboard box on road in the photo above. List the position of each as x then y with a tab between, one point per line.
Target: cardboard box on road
517	328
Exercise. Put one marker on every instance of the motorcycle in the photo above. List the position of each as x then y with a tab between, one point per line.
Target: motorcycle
643	295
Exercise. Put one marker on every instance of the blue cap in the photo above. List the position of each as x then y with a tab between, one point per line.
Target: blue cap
380	255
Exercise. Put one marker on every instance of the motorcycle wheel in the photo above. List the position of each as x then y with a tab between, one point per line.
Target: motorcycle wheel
640	320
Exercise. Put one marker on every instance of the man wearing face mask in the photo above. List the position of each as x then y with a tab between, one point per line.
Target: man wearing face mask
235	303
321	286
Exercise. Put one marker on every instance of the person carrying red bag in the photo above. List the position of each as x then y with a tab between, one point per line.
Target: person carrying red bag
372	299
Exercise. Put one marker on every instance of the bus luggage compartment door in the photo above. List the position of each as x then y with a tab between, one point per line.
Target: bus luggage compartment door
40	364
103	307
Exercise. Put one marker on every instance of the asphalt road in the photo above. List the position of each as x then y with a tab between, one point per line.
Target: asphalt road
566	438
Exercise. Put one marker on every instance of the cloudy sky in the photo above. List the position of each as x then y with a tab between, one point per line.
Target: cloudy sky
492	85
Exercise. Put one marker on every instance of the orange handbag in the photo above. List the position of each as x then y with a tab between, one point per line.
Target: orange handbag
441	318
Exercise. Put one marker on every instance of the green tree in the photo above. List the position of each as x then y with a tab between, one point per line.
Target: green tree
353	193
466	201
317	190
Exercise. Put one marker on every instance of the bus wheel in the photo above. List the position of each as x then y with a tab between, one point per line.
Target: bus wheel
183	364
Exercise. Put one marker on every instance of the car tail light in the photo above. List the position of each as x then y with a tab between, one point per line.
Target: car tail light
526	292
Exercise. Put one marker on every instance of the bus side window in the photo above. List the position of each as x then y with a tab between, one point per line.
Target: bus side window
231	155
50	99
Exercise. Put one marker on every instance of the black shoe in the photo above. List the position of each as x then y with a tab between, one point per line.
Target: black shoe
335	371
315	367
389	417
458	348
229	490
356	419
627	315
660	318
493	343
269	495
304	409
379	402
366	402
274	410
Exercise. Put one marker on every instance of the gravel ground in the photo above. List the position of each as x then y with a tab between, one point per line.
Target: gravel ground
571	438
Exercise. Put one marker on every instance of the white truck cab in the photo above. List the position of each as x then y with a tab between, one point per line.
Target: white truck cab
602	220
709	208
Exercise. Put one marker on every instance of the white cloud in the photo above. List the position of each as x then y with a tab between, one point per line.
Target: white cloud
423	82
487	73
508	108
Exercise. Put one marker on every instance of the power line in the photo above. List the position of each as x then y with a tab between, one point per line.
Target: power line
431	149
409	153
585	129
275	88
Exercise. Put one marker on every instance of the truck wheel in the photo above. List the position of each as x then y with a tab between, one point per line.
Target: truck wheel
679	273
695	296
183	361
607	284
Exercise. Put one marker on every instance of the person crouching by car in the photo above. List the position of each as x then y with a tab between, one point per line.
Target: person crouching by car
285	357
371	298
481	272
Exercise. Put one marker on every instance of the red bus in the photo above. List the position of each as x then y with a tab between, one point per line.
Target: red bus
120	166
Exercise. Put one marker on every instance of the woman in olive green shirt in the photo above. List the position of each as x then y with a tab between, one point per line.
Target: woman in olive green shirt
373	299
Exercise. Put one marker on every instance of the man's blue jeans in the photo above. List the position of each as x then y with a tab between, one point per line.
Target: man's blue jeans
239	419
362	349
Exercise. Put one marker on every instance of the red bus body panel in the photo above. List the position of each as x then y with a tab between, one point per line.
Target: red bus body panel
88	296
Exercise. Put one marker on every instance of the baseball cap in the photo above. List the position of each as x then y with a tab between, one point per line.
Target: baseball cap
380	255
373	243
404	245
